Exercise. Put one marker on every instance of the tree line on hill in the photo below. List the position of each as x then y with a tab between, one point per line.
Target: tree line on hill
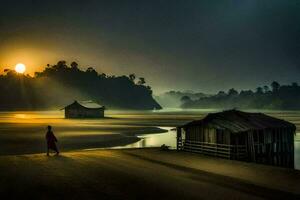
172	99
281	97
58	85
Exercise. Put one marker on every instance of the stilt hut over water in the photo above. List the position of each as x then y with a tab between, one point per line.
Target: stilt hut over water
84	109
237	135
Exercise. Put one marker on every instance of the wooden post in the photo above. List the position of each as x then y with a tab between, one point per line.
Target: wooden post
179	139
251	146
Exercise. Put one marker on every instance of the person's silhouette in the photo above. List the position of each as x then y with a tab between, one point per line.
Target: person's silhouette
51	140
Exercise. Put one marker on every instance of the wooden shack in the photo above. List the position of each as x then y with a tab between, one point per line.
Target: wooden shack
84	109
238	135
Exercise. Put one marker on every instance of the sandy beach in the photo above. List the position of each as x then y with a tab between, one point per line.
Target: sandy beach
18	139
141	100
142	174
83	171
23	132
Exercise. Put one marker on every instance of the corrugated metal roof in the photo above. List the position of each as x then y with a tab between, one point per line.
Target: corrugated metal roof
238	121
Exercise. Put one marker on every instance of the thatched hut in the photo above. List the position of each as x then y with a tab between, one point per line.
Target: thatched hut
233	134
84	109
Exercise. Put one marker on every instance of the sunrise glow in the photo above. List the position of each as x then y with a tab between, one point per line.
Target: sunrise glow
20	68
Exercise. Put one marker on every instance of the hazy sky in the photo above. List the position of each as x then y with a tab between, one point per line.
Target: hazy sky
176	44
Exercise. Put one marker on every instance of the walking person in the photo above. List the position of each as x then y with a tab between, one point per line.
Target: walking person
51	141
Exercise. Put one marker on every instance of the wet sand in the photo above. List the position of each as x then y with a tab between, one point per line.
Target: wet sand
142	174
18	139
24	132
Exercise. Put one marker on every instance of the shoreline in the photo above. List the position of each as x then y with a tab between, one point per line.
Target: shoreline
30	139
23	133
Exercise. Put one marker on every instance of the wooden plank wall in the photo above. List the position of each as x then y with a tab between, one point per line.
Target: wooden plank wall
270	146
210	141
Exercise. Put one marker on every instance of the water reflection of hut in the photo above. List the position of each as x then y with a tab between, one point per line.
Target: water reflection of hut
233	134
84	109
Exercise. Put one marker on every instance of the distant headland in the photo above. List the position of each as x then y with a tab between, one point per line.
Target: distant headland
273	97
60	84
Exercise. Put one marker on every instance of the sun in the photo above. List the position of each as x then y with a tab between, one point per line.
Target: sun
20	68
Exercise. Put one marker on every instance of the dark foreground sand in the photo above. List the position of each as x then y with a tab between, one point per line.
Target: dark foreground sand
142	174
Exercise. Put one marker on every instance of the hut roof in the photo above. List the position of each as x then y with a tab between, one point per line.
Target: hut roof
90	104
86	104
237	121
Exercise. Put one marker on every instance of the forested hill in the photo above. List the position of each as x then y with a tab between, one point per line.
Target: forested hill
60	84
172	99
279	97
